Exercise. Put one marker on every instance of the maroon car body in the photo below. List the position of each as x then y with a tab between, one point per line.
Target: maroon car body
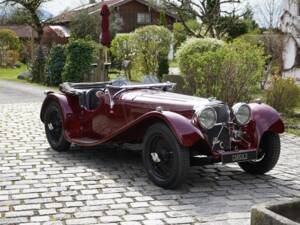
93	114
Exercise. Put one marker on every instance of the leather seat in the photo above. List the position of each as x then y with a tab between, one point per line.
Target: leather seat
92	101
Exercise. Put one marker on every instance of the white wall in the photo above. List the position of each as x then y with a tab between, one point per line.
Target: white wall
290	25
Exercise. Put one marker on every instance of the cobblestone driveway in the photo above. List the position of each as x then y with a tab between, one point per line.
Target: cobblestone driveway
41	186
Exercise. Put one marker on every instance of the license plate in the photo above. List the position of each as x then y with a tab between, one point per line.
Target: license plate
242	156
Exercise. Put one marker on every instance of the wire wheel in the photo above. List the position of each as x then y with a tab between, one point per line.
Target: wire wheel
54	128
165	160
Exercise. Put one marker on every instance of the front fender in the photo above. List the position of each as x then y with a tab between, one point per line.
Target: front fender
184	130
266	119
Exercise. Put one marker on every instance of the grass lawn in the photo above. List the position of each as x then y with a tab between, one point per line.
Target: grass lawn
292	121
293	131
12	74
289	120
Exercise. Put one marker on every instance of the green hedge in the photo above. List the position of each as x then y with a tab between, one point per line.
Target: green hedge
283	94
231	73
55	64
79	59
152	43
188	56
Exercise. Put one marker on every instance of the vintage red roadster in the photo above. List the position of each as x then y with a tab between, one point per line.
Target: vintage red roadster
176	131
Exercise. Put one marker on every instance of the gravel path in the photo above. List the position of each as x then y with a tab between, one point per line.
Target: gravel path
15	92
108	185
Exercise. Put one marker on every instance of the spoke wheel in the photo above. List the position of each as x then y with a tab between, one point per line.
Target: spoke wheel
55	125
268	155
54	128
161	155
166	162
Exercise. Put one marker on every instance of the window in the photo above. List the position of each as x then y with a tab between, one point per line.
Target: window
143	18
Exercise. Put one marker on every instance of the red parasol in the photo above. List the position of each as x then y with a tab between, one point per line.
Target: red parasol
105	36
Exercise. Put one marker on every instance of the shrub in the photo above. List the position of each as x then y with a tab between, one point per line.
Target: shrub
188	57
38	67
151	43
55	65
122	48
232	73
8	42
163	67
163	19
180	33
79	56
283	94
12	56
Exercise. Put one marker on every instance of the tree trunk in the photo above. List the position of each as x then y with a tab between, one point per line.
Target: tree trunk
38	74
38	27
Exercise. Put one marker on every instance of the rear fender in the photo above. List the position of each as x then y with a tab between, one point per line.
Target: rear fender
266	119
70	119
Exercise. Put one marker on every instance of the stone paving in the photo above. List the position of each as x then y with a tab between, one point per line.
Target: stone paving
109	186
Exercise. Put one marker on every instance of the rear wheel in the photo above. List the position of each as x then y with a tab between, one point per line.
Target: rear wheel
268	155
166	162
54	128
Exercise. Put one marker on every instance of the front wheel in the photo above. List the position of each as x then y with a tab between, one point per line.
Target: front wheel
268	155
54	128
166	162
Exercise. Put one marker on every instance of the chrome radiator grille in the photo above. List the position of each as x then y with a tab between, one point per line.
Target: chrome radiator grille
219	136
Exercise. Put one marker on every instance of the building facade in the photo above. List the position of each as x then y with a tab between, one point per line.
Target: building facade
290	26
134	14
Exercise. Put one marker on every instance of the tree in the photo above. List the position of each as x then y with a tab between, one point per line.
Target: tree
209	13
32	7
245	24
115	23
18	16
270	12
84	25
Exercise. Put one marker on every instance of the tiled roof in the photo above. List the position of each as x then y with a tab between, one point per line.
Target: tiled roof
20	30
96	7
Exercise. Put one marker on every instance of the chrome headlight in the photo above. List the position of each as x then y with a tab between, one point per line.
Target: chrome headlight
207	117
242	113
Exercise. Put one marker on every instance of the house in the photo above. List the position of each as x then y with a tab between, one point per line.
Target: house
290	27
24	32
134	13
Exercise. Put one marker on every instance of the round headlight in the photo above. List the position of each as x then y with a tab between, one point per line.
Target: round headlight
242	113
207	117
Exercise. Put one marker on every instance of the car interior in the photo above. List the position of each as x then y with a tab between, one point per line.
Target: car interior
86	92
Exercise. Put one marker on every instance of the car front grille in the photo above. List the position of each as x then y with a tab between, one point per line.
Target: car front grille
219	136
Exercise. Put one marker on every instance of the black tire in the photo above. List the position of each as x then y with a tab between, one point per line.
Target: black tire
166	162
54	128
267	157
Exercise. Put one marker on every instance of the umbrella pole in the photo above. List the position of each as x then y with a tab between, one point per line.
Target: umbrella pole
106	54
106	64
